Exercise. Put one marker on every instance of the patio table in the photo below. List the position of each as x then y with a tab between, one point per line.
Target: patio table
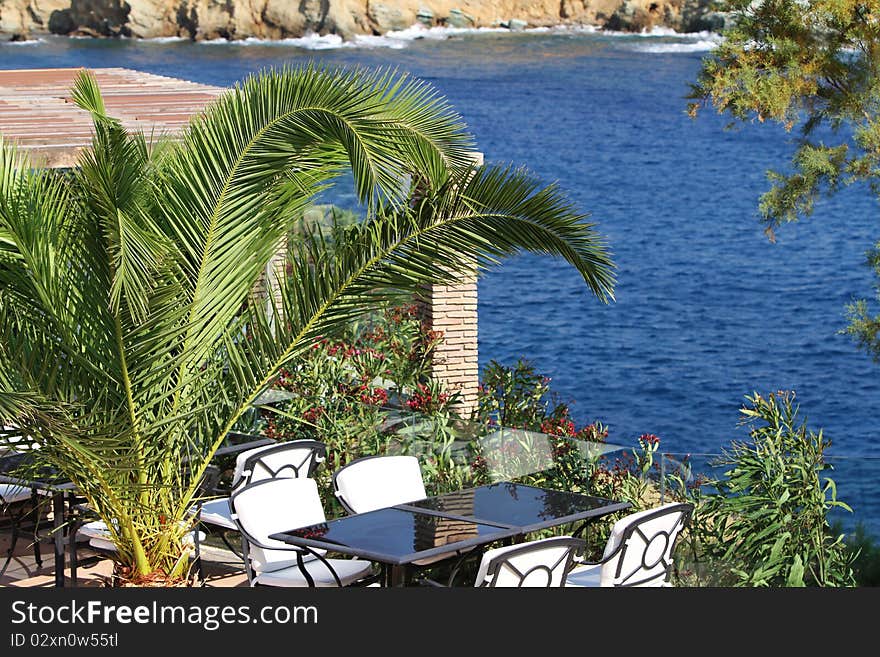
453	523
23	469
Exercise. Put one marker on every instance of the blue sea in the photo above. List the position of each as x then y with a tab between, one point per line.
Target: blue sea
707	310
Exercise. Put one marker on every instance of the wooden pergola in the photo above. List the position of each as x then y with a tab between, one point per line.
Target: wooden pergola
37	113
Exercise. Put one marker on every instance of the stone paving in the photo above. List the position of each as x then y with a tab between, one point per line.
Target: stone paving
221	567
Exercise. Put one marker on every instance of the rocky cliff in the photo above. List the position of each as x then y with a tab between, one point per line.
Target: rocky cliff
277	19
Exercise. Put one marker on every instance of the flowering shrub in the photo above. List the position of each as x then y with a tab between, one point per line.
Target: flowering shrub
348	390
428	398
517	397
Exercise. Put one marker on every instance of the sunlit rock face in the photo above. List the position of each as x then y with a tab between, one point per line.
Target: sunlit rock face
277	19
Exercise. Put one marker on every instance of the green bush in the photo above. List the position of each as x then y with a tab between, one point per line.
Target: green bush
865	553
766	521
369	392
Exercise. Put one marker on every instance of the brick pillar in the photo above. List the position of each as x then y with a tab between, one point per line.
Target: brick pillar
452	309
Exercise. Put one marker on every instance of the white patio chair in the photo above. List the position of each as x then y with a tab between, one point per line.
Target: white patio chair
14	509
534	564
295	458
639	551
264	507
376	482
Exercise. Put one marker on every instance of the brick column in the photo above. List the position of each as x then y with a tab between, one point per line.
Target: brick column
452	309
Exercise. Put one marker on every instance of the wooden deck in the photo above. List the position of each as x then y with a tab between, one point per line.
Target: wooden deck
37	113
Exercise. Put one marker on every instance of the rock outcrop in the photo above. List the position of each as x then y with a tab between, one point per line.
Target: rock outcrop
277	19
680	15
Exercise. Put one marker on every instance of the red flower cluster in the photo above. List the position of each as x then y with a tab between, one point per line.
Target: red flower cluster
400	314
558	427
311	415
424	400
373	396
649	438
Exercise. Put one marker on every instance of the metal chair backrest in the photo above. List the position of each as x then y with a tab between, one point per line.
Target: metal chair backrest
292	459
535	564
262	508
376	482
639	549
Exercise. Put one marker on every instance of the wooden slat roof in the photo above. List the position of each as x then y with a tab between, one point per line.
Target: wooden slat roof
37	113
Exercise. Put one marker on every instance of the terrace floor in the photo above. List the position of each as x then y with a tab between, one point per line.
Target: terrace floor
38	114
221	567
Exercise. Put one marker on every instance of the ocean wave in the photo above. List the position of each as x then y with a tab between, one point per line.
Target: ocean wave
694	46
398	39
26	42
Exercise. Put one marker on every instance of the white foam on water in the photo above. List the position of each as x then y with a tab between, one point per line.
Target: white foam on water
168	39
659	40
26	42
394	40
694	46
398	39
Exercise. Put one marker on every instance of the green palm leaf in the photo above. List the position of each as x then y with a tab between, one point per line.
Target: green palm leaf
131	339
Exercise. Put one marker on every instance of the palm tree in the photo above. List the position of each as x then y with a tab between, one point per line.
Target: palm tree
130	338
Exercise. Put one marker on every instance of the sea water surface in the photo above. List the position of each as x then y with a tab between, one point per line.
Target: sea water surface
707	310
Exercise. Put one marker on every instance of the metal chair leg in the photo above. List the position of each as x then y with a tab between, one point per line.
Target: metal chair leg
13	540
35	517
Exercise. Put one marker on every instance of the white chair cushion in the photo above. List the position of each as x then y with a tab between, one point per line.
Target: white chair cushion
99	536
524	563
272	506
348	571
216	512
11	493
586	575
95	529
381	481
102	545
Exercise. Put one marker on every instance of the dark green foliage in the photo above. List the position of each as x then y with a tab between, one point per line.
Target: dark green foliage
768	516
813	65
866	553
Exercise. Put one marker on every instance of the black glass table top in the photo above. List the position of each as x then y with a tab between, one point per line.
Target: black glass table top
395	536
526	508
26	469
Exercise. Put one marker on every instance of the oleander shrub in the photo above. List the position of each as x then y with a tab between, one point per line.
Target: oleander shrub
766	521
367	392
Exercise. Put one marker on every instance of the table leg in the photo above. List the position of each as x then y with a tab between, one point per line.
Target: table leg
35	516
399	576
58	522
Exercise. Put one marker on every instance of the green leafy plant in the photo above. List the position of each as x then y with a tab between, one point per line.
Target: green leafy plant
768	515
131	339
369	391
811	67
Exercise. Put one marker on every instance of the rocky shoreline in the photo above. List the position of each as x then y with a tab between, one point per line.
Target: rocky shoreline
279	19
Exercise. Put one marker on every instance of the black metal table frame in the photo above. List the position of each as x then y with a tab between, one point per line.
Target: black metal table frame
507	532
62	495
